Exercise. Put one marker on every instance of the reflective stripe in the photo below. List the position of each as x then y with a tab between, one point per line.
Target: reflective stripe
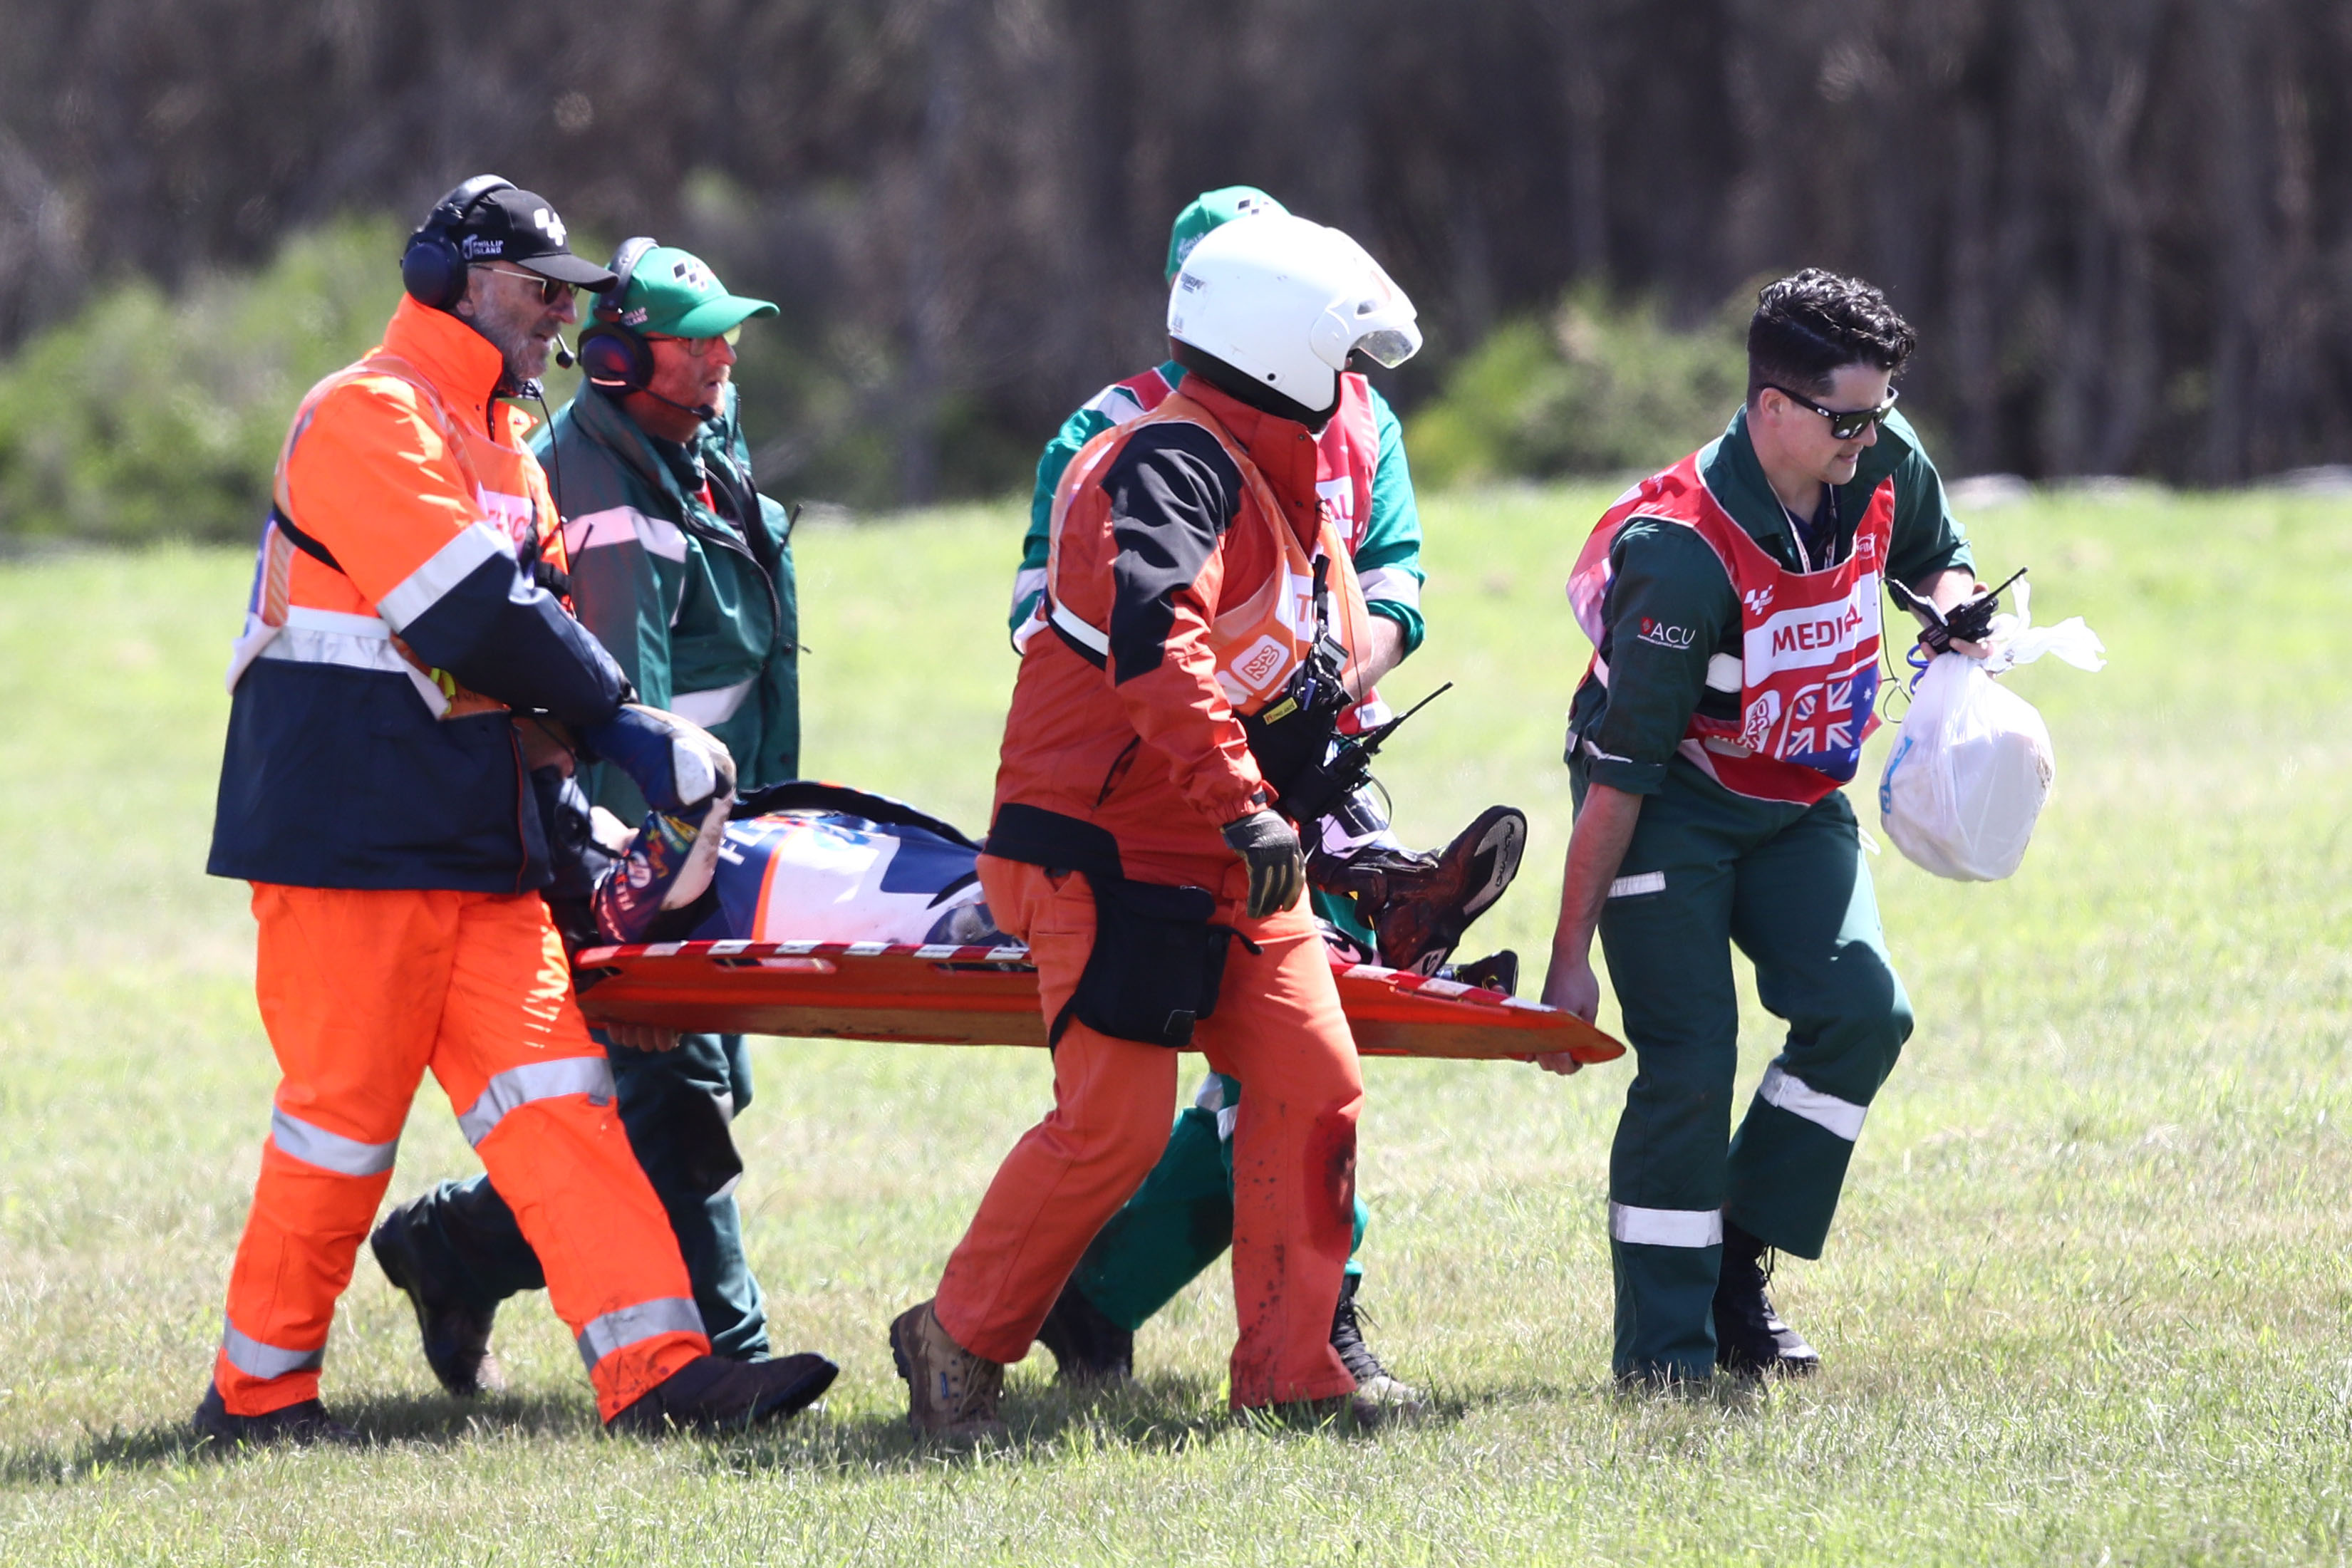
319	637
255	1359
624	526
314	1146
1799	1098
1084	635
444	570
1724	673
716	705
304	618
1665	1226
1391	583
634	1325
1639	883
518	1086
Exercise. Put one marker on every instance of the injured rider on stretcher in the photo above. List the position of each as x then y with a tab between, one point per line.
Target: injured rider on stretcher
804	861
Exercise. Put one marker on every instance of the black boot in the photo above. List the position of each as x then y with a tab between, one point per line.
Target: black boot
1498	971
712	1394
1750	1340
457	1334
1424	917
1088	1346
307	1421
1376	1386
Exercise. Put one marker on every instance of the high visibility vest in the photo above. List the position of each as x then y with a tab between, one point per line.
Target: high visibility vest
1257	643
304	609
1808	670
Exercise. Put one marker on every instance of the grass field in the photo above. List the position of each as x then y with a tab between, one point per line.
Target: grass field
2086	1302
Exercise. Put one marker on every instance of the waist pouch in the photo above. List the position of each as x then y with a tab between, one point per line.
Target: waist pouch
1158	960
1159	955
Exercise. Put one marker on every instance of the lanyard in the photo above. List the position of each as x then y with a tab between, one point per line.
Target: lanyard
1797	530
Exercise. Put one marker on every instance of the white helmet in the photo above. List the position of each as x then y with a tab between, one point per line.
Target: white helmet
1285	301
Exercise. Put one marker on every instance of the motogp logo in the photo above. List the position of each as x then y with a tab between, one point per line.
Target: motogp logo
1758	600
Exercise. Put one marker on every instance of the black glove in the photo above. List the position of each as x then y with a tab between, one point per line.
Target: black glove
679	768
1277	870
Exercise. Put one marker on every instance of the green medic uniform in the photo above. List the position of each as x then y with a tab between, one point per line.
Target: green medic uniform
1707	868
1181	1219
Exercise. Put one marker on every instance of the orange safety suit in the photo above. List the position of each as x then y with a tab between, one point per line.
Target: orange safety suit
1178	594
373	791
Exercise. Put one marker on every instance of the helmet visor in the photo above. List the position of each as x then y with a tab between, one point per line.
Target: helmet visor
1390	346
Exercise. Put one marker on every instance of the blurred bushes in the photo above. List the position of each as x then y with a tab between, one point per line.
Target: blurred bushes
147	417
1600	386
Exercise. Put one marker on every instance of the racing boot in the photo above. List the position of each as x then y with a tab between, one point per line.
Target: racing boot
456	1333
1376	1386
712	1394
1495	972
1352	850
1750	1340
951	1392
1088	1348
304	1422
1424	917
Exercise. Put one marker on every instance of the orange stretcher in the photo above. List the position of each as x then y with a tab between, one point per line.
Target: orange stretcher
988	995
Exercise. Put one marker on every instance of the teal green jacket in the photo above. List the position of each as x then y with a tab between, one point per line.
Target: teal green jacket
684	570
1628	731
1388	562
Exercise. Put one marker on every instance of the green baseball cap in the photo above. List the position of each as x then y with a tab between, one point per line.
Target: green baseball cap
672	294
1213	209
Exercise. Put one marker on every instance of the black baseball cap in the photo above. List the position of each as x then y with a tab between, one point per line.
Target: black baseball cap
521	227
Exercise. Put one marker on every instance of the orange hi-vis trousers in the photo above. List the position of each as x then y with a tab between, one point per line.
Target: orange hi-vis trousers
362	991
1277	1027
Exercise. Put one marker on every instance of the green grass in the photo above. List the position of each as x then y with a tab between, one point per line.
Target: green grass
2086	1302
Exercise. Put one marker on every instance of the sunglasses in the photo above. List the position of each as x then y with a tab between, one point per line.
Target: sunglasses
698	348
1845	423
552	291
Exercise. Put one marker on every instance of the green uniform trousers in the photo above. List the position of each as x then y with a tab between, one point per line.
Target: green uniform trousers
1707	869
469	1243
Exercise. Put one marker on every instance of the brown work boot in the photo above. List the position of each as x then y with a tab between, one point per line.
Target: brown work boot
951	1392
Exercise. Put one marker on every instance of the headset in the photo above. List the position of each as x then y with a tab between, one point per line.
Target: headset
433	270
612	355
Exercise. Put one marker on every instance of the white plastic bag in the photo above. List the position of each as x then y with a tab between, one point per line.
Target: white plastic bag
1973	765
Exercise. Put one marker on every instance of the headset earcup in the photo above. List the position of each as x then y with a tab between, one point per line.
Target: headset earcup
616	359
431	270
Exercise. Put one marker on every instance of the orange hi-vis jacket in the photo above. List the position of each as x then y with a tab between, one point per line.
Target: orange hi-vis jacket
1180	592
393	623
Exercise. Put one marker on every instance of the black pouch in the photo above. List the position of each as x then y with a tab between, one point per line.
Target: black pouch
1157	962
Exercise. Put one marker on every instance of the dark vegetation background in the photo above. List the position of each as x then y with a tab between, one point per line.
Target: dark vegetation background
2124	227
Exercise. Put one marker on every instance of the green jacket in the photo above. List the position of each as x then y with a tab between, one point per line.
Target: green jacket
1388	560
699	610
1627	733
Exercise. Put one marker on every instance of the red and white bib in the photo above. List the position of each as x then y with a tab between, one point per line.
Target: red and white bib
1808	672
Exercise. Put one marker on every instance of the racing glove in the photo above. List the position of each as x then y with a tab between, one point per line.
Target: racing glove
679	768
1277	870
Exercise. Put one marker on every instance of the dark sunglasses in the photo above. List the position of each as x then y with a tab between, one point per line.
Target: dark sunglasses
551	290
1845	423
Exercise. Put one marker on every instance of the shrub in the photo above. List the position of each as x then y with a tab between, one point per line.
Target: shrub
148	417
1600	387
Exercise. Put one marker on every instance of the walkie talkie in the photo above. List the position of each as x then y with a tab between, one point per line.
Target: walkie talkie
1967	621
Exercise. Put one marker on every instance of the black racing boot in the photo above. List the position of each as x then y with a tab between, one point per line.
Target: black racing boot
1750	1340
1495	972
1376	1386
457	1334
711	1394
305	1423
1088	1346
1424	917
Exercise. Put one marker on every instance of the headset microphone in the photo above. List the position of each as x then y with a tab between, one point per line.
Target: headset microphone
701	411
563	359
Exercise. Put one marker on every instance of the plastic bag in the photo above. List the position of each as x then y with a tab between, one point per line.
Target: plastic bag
1973	764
